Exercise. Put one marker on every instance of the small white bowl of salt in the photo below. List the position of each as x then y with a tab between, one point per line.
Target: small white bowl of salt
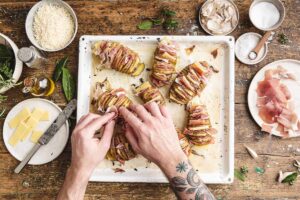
245	44
51	25
267	15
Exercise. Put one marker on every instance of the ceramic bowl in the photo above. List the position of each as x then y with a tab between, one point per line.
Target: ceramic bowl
29	23
261	55
18	64
207	30
279	5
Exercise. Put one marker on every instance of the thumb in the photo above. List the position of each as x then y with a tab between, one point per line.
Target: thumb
107	135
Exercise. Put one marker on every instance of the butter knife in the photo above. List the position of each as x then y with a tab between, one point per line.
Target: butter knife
49	133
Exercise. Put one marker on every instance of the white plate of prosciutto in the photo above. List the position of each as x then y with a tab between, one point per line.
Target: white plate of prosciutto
274	98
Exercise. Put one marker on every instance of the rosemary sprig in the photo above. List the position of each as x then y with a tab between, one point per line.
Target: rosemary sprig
7	82
2	99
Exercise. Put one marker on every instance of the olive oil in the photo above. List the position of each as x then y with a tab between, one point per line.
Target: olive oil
39	86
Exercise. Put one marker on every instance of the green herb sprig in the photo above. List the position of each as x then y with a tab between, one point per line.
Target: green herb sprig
68	82
166	19
2	99
283	39
291	178
241	173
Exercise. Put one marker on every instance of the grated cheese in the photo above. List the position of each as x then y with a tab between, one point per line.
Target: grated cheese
53	26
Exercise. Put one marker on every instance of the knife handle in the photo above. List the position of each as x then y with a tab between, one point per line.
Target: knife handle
27	158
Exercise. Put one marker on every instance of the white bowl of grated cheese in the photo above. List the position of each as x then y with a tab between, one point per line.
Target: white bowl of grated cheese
51	25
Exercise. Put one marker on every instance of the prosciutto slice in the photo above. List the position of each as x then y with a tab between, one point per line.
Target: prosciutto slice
274	102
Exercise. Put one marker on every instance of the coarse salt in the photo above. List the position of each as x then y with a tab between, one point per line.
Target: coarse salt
245	44
53	26
264	15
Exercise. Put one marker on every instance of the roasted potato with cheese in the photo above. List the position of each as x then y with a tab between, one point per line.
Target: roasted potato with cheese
120	149
190	82
105	97
113	55
149	93
199	130
165	59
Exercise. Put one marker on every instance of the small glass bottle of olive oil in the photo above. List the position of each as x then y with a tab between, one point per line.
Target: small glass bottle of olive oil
38	86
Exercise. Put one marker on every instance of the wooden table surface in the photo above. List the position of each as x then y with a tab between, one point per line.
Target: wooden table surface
120	18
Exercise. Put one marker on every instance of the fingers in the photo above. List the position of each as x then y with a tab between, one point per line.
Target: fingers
165	112
84	120
130	118
97	123
107	135
131	137
153	108
140	110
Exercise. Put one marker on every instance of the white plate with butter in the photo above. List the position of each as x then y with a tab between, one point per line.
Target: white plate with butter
26	122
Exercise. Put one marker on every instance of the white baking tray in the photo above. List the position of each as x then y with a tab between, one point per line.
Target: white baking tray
213	169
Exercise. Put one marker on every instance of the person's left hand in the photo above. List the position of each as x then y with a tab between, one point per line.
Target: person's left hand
87	150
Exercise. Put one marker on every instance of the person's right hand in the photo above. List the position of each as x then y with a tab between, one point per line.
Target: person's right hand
151	133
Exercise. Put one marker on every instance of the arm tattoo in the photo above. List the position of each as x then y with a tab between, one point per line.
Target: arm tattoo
181	167
192	186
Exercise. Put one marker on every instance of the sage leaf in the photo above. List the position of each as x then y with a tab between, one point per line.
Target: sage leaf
290	178
145	25
259	170
156	21
239	175
58	68
168	13
68	84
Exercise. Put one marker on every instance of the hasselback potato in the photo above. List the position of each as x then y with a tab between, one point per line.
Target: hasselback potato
165	59
120	149
105	97
190	82
113	55
199	130
149	93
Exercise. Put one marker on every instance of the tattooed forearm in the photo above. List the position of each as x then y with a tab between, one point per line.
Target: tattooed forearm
188	184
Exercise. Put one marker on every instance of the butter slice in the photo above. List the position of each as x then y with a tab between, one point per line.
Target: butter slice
21	116
45	116
35	136
19	132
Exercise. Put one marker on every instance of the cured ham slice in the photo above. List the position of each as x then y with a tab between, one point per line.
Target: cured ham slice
165	59
274	102
149	93
199	130
113	55
190	82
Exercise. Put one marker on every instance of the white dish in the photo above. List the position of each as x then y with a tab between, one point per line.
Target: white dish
292	66
47	152
29	22
18	64
204	27
261	55
145	46
279	5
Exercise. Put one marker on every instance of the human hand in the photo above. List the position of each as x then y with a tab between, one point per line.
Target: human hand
87	150
151	133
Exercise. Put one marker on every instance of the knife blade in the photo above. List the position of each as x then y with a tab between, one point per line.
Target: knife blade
49	133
